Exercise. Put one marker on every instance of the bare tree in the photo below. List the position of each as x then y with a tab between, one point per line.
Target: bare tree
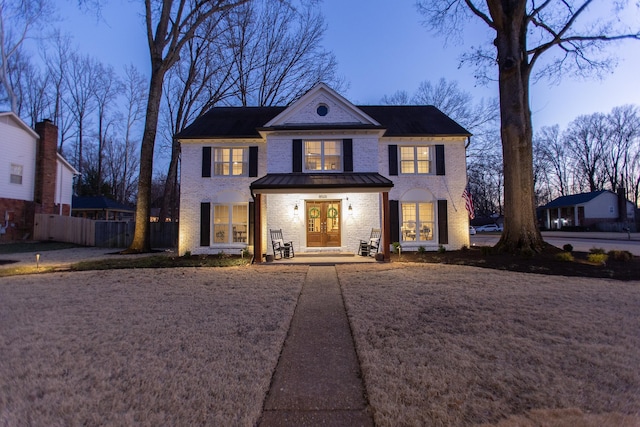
201	79
240	60
277	63
541	173
134	95
80	79
521	32
624	134
400	97
555	153
106	89
170	24
36	101
56	57
17	21
587	139
121	160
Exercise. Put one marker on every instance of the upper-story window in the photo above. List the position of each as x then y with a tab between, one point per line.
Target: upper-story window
16	174
230	161
323	155
416	160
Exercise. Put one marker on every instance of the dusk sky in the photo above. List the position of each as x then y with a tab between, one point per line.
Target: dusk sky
381	47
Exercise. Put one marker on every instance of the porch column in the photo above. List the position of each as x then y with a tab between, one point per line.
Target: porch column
559	218
257	229
548	218
386	226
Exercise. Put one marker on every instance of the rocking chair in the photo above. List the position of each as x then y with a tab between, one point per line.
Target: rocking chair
370	247
281	249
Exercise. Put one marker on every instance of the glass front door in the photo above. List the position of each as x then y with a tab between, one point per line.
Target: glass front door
323	223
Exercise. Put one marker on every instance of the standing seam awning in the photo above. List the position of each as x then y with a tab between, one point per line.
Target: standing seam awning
369	182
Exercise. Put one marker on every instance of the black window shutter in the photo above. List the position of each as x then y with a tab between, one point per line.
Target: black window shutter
440	159
297	155
205	223
253	161
443	223
252	206
394	219
393	159
347	147
206	162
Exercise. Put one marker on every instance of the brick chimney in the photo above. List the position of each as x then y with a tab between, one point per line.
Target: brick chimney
46	167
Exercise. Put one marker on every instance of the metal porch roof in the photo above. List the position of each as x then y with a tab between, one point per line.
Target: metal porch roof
285	182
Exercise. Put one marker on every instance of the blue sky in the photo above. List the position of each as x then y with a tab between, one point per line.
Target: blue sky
380	47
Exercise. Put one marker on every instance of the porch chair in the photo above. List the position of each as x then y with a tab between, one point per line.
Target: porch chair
370	247
281	249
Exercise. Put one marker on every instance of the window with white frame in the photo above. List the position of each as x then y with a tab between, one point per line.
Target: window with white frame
323	155
418	220
230	223
416	159
16	174
230	161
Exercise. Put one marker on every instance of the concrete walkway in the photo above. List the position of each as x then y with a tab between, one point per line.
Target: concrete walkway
317	380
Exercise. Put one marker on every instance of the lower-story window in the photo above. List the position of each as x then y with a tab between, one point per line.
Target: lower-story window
418	221
230	223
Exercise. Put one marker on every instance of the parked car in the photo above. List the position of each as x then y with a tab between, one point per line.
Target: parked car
488	227
472	230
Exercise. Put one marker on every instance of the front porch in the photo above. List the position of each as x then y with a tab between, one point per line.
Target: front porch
323	258
321	220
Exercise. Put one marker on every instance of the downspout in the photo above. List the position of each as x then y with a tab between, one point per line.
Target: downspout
257	236
253	196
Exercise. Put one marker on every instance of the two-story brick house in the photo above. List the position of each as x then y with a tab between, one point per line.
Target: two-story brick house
325	172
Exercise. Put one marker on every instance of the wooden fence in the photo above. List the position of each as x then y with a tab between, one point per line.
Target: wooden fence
104	234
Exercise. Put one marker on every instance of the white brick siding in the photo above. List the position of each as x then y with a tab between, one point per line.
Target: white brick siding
445	187
370	154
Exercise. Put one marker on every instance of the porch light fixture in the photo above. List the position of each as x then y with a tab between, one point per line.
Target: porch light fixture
295	210
350	209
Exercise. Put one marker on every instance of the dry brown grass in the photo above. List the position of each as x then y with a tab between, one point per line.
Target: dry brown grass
457	346
439	345
142	347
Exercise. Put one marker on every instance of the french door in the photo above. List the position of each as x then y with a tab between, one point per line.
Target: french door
323	223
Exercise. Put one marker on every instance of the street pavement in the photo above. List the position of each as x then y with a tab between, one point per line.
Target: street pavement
581	241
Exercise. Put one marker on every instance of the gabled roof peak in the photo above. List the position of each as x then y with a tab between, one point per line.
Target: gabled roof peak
321	106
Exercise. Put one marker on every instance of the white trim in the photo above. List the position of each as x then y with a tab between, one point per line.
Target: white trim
73	170
20	123
281	118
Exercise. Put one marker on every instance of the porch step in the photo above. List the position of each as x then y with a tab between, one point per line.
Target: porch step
324	254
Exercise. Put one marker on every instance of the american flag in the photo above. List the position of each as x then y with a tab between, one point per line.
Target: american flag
468	203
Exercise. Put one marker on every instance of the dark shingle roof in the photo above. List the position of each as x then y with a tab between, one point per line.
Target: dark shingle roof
98	203
244	122
321	180
236	122
413	120
574	199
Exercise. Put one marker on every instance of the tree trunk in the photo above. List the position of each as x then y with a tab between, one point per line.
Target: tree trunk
170	185
521	234
141	237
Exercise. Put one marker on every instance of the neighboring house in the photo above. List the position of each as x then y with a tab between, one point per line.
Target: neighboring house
101	208
601	210
325	172
34	178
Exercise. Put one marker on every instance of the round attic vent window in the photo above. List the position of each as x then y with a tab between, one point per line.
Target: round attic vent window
322	110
